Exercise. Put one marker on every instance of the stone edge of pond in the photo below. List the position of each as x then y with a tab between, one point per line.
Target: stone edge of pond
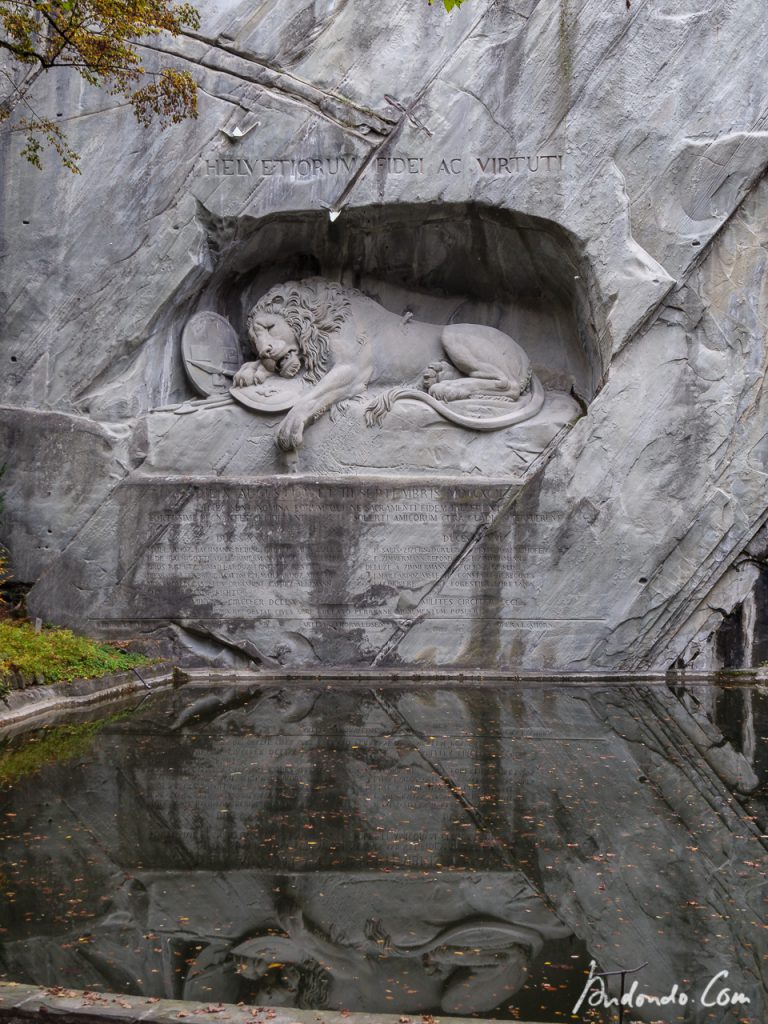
34	705
453	676
24	707
20	1002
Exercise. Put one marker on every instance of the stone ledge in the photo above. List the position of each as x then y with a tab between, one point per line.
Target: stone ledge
451	677
38	705
25	707
32	1003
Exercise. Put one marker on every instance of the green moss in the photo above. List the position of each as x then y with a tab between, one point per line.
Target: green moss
59	743
56	655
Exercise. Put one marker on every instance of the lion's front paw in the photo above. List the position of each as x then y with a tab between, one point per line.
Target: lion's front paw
245	376
448	391
291	432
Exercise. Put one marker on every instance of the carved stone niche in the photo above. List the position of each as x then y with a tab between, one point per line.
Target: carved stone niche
420	340
279	523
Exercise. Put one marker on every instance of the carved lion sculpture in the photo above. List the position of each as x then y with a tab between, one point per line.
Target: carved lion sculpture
345	341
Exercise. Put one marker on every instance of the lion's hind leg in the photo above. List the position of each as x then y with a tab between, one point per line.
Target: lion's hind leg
480	382
492	362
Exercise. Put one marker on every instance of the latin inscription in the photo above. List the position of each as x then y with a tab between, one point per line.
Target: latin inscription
325	555
342	166
281	167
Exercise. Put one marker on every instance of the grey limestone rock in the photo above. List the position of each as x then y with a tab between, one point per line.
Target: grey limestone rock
565	174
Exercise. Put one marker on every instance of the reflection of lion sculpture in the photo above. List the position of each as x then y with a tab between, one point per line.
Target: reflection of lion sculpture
345	341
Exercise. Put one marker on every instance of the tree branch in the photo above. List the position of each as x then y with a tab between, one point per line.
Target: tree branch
97	39
19	51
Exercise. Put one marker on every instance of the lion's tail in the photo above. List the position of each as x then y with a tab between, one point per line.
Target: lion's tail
524	410
379	407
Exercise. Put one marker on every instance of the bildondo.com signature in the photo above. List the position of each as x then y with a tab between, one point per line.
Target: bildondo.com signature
715	991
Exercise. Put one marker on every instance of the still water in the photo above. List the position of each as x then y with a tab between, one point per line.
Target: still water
465	850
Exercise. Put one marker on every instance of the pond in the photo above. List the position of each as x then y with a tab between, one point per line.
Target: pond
473	850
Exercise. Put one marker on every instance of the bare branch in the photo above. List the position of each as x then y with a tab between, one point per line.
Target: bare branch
23	54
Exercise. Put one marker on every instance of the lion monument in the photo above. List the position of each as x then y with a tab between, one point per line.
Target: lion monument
317	343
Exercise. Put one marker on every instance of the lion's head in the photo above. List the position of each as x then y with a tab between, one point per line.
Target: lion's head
313	309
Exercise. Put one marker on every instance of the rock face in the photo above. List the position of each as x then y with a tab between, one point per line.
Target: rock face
560	173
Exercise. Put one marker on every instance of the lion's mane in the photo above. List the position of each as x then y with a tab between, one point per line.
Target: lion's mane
314	310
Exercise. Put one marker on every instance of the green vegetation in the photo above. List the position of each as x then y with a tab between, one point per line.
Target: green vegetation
4	572
59	743
51	655
97	39
55	655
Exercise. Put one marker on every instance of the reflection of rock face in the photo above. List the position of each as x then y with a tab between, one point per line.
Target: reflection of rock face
386	850
427	941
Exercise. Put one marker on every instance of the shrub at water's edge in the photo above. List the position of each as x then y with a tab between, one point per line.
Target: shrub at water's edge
57	744
55	655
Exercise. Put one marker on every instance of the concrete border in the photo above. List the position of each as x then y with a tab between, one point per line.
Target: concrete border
23	708
37	705
33	1003
452	677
